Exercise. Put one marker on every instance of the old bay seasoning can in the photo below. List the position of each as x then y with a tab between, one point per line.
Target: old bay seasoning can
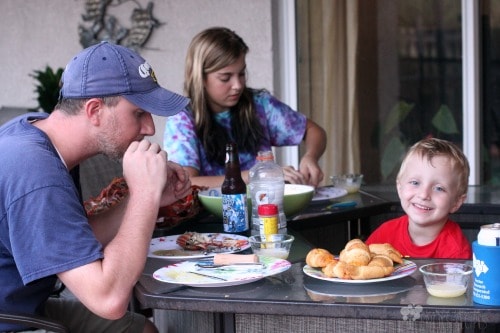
268	219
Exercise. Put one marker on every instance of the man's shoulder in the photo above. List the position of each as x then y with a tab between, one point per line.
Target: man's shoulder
19	122
18	131
29	161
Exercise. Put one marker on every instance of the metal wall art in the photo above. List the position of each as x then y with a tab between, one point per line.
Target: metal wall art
99	25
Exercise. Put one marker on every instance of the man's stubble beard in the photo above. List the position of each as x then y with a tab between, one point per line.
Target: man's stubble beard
109	143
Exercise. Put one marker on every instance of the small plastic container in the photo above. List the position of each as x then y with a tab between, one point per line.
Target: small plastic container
268	219
277	245
446	279
350	182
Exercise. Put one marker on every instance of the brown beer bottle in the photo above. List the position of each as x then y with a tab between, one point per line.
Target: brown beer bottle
234	194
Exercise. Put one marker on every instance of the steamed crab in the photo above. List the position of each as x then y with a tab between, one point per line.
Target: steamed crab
208	242
168	216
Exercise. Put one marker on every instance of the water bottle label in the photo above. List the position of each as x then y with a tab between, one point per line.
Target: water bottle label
234	212
264	197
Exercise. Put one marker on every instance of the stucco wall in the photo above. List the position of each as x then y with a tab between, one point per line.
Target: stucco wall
36	33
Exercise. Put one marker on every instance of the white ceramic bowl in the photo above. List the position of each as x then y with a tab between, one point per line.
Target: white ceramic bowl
446	279
297	197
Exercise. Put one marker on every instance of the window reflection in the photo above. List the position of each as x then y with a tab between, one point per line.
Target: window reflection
491	87
429	95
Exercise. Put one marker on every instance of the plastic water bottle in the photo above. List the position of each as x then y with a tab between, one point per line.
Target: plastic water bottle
267	186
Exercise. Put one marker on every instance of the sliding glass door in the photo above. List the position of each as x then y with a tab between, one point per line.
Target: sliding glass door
407	78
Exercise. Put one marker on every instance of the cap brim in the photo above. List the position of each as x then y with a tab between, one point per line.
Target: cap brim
159	101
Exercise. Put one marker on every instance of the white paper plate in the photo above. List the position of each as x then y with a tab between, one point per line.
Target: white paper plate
167	248
400	271
181	273
328	193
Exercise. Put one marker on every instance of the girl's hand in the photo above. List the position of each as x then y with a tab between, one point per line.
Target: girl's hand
311	171
293	176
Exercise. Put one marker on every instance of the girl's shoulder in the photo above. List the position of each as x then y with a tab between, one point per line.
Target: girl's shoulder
263	98
179	121
183	115
261	94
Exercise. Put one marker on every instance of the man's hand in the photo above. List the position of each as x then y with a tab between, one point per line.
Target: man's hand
178	184
144	165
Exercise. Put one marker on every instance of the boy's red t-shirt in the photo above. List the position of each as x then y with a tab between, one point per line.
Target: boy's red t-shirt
450	243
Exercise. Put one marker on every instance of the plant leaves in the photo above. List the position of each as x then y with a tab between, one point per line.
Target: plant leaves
48	87
398	113
391	156
444	121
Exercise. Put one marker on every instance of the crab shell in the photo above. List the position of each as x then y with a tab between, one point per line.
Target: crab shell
168	216
194	241
181	210
109	196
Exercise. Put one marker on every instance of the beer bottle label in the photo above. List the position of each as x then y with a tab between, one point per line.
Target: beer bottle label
234	212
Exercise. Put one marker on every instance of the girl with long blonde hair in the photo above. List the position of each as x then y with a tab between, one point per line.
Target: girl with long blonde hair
224	109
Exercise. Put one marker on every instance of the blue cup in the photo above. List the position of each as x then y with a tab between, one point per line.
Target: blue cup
486	289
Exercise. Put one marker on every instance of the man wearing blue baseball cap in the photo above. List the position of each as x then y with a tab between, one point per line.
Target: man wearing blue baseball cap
108	95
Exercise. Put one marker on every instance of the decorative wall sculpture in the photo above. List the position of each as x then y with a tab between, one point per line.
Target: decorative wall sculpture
99	25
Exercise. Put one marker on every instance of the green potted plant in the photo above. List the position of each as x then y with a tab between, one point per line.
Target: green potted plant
47	88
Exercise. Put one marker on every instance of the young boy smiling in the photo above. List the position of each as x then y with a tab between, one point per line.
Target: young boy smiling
431	184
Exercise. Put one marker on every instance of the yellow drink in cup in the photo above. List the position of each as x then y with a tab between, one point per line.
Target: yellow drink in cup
446	290
280	253
274	245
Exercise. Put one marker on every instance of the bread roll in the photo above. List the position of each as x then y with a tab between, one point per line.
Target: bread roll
388	250
356	256
356	244
328	270
318	258
357	261
340	270
368	272
381	260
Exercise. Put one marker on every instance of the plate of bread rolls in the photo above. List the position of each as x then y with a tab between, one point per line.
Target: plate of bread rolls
358	263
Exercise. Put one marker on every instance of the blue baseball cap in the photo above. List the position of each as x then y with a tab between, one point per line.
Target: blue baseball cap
107	69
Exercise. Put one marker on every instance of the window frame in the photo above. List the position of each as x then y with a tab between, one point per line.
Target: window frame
471	99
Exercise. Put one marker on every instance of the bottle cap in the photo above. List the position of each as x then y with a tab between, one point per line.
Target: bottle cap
265	155
268	209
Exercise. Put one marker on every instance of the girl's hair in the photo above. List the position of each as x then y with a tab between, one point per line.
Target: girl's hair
432	147
209	51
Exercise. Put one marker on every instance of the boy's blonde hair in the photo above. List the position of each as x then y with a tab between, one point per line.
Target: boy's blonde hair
432	147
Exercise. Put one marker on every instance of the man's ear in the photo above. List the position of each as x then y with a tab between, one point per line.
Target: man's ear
93	110
458	203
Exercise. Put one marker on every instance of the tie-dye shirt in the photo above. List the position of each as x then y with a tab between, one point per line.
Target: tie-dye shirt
282	127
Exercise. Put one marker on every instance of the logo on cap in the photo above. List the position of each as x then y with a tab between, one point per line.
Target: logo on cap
146	70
